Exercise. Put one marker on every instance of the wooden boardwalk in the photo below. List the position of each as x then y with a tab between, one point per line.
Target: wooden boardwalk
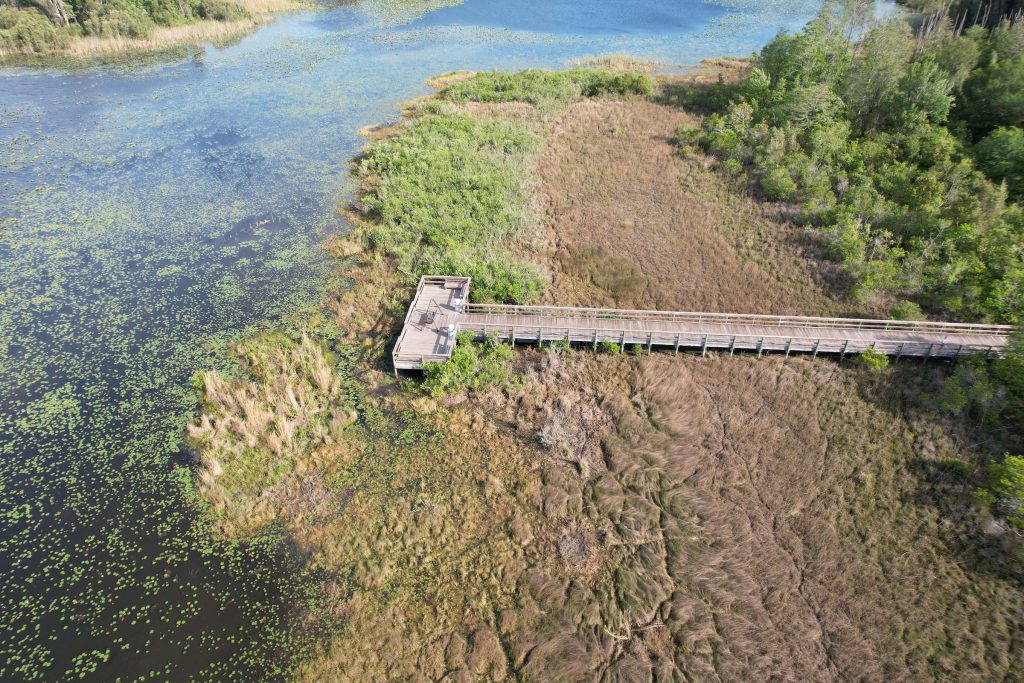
441	310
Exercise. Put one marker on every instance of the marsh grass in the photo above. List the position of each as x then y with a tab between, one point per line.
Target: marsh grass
264	436
541	87
617	63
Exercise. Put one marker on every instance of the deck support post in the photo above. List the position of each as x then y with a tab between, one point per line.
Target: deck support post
931	347
816	345
595	340
677	344
899	354
540	337
650	342
513	335
732	346
622	344
956	356
760	346
842	354
789	345
704	347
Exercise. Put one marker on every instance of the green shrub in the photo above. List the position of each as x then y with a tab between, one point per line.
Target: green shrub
732	167
1001	157
169	12
983	497
607	346
560	345
596	83
873	360
860	132
221	10
1006	482
26	30
957	467
906	310
116	18
778	185
473	365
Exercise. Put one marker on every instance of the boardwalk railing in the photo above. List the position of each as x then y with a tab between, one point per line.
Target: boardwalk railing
737	319
440	309
729	342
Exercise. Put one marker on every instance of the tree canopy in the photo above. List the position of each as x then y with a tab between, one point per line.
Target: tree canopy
904	150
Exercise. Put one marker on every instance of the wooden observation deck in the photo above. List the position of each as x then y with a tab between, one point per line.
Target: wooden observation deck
441	310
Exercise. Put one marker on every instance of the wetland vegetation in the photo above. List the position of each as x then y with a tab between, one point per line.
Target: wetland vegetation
556	512
547	513
87	27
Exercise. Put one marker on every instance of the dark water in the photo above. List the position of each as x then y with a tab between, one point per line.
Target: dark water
155	207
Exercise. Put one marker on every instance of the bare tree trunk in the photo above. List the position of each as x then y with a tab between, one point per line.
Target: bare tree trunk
59	13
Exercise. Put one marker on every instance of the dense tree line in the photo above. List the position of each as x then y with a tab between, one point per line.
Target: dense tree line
903	149
40	25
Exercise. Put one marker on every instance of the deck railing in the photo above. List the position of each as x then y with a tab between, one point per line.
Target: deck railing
400	359
738	318
533	334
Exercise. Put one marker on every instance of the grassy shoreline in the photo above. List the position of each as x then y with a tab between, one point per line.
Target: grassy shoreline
160	38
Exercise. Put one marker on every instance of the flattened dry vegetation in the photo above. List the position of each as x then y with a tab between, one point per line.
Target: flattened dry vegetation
634	224
745	519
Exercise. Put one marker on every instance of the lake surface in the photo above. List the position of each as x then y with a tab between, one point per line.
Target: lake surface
155	207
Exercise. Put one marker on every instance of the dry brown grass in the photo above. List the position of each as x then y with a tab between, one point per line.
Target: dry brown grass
161	38
729	519
634	224
754	520
267	441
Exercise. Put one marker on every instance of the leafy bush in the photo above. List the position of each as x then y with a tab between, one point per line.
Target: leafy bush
859	134
116	18
1006	483
778	185
608	346
221	10
873	360
1001	157
906	310
473	365
957	467
994	96
26	30
990	391
538	86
